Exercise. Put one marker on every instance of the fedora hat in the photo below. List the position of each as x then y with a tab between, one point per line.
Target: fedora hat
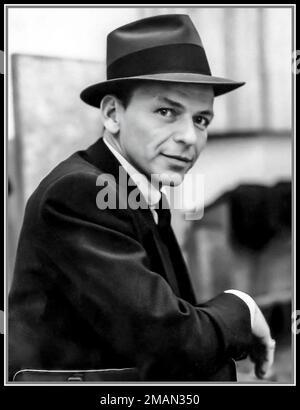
162	48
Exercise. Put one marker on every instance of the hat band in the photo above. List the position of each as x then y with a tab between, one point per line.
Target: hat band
173	58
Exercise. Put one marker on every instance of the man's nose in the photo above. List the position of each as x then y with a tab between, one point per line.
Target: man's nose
187	133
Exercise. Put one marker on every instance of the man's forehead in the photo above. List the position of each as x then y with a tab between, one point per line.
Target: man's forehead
181	91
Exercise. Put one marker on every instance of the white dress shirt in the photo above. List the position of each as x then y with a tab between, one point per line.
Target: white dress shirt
149	191
152	197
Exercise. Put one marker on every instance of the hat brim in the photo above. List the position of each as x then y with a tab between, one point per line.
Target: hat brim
93	94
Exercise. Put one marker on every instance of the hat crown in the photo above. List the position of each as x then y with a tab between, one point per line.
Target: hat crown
163	30
164	48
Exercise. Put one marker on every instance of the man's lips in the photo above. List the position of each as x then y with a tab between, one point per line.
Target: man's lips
182	158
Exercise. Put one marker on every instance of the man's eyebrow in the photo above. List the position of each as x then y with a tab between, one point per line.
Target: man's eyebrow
210	113
171	102
176	104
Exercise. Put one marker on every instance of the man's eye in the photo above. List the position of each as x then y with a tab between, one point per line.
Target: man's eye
202	121
166	112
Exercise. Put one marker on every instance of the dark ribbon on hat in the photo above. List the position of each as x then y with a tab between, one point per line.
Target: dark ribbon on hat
172	58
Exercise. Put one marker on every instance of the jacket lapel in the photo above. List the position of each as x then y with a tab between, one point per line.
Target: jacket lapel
170	254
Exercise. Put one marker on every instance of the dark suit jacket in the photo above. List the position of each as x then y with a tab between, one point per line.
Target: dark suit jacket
91	288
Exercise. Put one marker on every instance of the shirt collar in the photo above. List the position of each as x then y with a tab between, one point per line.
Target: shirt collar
150	192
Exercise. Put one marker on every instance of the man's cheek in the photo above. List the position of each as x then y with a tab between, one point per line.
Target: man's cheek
197	153
200	146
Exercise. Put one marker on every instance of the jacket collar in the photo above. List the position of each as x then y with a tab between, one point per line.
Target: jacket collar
149	191
102	158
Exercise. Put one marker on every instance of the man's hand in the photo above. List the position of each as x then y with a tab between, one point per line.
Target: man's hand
263	347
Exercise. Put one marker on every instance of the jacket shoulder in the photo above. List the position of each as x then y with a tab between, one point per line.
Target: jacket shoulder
74	167
74	189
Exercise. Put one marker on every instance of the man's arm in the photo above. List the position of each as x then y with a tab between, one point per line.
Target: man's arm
106	276
262	349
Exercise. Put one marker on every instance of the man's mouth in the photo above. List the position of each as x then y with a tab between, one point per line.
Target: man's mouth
182	158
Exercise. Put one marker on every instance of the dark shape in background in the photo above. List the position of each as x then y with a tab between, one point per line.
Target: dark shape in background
244	242
259	213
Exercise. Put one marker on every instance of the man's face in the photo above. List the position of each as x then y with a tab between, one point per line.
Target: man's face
164	128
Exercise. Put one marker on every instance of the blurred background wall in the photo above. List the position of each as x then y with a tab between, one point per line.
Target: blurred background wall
244	239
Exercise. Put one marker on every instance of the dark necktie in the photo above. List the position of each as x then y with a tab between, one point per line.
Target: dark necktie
177	274
163	212
167	238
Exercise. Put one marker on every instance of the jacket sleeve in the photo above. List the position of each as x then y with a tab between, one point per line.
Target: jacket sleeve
106	276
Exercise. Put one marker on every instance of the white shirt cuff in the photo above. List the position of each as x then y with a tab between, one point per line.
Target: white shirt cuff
247	299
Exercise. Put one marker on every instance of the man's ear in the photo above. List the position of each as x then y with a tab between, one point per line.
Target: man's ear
109	109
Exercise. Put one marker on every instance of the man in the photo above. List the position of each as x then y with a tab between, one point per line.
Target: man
102	292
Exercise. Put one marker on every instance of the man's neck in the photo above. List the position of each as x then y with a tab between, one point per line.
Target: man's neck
108	137
149	191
